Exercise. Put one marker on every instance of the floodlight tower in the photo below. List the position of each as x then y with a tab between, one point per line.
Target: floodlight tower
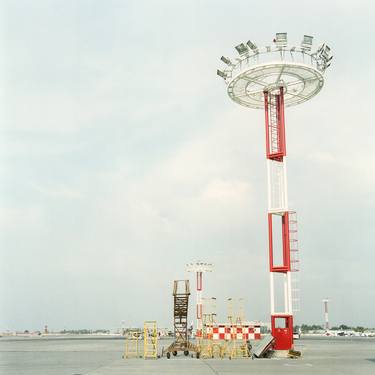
199	268
271	78
326	321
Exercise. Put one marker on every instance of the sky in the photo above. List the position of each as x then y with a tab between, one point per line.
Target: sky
122	159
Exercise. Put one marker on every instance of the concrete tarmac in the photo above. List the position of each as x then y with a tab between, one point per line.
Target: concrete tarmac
322	355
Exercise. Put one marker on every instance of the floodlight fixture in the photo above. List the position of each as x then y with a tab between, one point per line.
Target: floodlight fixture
221	74
328	62
326	51
292	68
307	39
281	39
307	42
225	60
252	46
242	49
319	50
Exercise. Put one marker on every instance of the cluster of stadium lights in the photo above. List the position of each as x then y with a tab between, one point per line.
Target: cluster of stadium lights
322	56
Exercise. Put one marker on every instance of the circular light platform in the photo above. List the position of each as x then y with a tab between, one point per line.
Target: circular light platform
301	82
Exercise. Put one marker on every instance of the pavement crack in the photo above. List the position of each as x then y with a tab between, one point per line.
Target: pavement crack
210	367
98	368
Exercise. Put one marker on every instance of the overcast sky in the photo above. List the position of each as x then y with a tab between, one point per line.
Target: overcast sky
123	158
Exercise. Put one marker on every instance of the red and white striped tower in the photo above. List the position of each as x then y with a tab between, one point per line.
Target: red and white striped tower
280	264
326	321
199	268
273	77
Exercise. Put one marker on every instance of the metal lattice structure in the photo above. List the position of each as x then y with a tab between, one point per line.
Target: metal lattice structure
274	77
180	313
181	293
298	69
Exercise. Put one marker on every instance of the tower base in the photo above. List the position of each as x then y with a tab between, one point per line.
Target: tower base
282	331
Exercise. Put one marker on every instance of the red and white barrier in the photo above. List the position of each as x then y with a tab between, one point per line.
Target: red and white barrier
230	332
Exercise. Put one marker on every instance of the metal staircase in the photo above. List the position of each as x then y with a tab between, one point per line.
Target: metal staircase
181	293
150	339
274	130
180	311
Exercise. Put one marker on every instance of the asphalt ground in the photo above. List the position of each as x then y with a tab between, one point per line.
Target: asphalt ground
101	356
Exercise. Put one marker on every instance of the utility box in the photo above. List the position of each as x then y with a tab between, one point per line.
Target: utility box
282	331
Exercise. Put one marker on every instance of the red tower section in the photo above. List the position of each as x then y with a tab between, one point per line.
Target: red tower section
279	256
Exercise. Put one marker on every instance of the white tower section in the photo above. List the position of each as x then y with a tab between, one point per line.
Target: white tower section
199	268
326	321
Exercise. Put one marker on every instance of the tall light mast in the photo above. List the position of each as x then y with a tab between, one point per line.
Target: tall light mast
326	321
272	78
199	268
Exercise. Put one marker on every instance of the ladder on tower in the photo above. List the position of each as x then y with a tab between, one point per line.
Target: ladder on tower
273	125
294	260
275	136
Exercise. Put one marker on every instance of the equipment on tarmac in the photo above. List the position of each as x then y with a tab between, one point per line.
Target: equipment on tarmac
181	292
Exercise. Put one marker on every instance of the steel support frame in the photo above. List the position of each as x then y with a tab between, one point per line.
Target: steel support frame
276	153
